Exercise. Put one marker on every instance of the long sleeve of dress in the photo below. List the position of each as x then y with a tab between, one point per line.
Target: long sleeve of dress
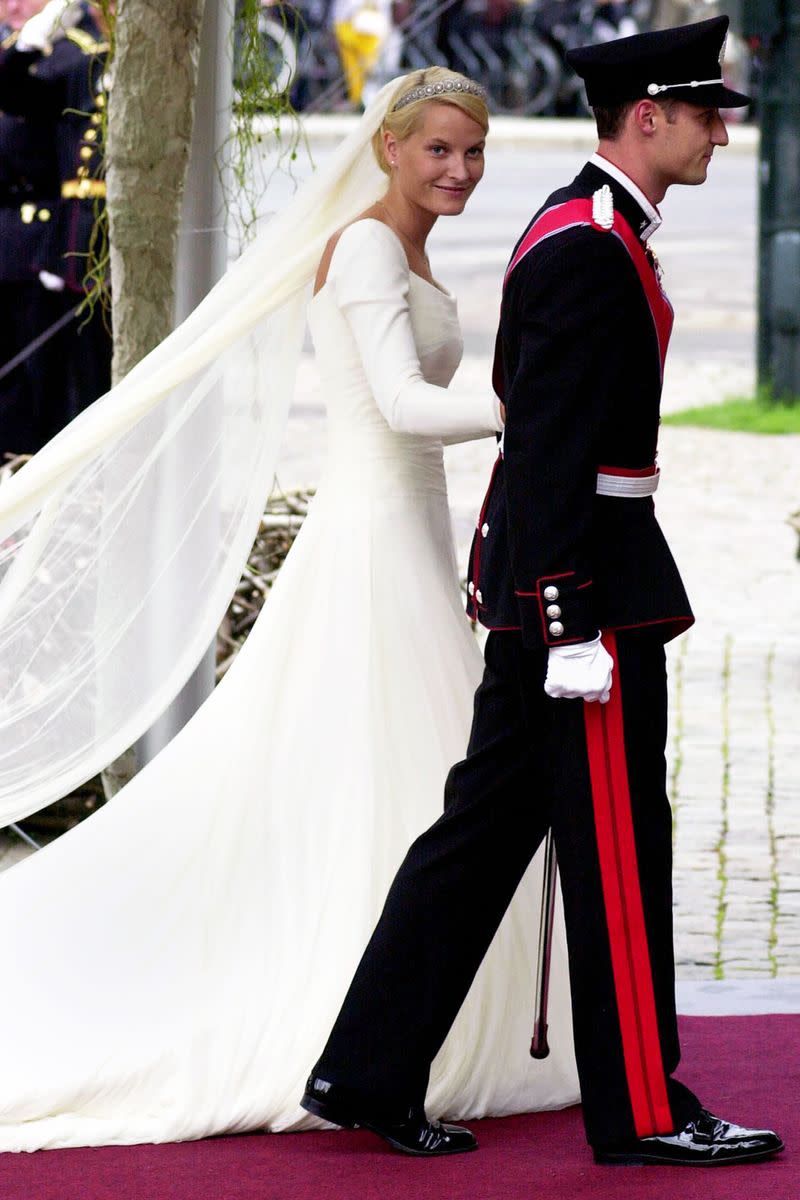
369	273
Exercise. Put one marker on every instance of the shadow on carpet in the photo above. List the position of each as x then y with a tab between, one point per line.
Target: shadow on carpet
744	1068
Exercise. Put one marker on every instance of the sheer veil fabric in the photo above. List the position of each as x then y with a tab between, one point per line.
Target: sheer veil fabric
175	962
98	543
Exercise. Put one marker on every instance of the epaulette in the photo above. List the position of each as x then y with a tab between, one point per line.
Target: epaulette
86	43
603	208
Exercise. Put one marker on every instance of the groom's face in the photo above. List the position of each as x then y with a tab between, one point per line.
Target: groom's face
441	163
685	140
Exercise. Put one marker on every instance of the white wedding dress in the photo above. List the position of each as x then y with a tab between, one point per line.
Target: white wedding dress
174	964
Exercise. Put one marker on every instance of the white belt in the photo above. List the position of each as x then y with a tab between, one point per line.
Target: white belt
627	485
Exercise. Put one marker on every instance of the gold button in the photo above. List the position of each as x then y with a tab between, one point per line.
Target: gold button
83	172
86	152
100	100
96	119
44	214
27	212
90	135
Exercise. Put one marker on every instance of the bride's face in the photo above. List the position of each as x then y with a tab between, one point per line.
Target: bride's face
439	165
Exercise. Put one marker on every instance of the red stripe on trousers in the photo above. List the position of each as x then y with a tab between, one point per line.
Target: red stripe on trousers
619	871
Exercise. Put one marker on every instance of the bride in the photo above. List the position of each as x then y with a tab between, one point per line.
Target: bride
176	961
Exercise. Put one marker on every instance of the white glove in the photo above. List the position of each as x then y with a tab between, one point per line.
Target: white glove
53	283
47	26
581	671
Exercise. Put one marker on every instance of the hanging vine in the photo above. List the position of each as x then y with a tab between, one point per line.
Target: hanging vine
264	60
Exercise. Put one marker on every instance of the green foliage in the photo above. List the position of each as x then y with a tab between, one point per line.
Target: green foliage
261	96
258	94
98	256
762	413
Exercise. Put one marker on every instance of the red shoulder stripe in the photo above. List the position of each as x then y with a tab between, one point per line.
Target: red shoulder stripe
579	212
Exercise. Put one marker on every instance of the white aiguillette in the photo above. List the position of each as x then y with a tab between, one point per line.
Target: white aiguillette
603	208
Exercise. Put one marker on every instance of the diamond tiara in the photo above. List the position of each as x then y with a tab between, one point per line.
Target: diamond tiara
430	91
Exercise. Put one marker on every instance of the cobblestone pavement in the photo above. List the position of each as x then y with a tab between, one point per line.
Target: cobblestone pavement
734	742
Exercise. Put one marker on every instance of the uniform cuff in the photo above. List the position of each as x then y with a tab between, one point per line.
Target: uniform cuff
559	611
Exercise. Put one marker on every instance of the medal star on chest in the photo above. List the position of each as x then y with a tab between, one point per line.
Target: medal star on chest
652	258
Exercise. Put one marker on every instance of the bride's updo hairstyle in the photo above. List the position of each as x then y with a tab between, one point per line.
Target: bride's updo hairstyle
420	88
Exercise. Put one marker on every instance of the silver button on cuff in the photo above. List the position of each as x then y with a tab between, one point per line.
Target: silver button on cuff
484	530
553	611
478	596
471	588
556	629
550	593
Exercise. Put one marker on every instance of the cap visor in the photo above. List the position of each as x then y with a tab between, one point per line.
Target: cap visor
731	99
717	96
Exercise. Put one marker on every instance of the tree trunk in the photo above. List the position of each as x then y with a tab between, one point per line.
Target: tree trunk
150	114
154	76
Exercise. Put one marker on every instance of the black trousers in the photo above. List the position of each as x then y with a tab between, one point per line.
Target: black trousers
61	378
596	774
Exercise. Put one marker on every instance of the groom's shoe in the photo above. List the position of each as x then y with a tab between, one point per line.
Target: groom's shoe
707	1141
413	1134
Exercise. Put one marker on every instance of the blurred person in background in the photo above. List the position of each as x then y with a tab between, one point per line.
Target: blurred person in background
51	166
361	28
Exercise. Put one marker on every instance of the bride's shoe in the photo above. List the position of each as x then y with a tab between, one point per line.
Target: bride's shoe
413	1134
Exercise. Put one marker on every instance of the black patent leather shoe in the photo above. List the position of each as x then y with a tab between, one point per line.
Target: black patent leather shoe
412	1133
707	1141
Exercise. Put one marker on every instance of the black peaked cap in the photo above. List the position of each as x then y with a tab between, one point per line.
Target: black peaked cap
632	68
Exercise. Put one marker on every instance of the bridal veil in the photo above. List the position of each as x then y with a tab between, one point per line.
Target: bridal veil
122	540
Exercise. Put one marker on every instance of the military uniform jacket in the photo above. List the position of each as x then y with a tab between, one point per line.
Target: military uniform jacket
579	361
51	103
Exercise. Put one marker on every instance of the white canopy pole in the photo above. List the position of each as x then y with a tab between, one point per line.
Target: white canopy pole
202	260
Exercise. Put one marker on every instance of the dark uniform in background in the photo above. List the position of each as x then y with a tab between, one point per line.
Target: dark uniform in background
50	181
566	545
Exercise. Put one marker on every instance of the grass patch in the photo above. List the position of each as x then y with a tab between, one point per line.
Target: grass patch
754	415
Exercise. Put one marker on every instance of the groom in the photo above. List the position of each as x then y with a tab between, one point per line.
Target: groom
571	573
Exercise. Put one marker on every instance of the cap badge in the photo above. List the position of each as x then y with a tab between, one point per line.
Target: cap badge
603	208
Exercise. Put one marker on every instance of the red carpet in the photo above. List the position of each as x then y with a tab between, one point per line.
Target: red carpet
745	1068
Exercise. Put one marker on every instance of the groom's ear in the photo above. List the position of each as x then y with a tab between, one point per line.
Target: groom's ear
646	117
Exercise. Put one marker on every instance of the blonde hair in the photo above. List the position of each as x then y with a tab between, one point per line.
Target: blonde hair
405	122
